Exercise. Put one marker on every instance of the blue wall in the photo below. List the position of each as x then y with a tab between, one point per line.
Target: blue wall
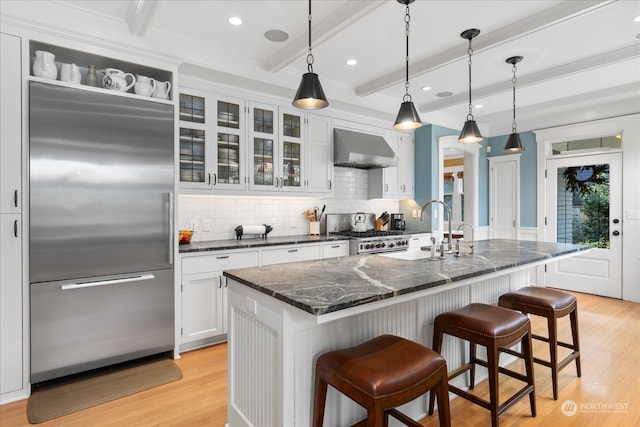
528	182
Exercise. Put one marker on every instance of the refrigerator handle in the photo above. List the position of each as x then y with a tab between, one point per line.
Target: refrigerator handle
171	237
81	285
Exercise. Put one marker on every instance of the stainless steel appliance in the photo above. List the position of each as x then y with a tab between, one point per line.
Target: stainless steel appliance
369	241
101	187
397	222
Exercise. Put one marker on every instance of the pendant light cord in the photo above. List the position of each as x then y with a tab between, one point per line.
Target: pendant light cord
407	19
514	80
310	55
470	52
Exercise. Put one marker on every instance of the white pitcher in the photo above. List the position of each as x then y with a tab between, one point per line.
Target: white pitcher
162	90
115	79
144	85
70	73
44	65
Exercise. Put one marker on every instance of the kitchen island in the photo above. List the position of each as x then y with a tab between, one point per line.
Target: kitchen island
282	317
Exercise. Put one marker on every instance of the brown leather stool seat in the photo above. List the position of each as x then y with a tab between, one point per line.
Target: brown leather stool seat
494	328
382	374
553	305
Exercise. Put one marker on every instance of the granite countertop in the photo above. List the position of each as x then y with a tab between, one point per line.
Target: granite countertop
325	286
216	245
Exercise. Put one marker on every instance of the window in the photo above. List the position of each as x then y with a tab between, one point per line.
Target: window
587	144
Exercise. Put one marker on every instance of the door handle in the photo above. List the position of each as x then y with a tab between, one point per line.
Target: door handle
15	228
80	285
171	225
15	198
615	221
616	233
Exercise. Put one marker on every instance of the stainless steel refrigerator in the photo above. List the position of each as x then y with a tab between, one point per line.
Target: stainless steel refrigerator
101	190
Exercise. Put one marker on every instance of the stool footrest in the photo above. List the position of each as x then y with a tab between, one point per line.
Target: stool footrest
560	343
504	371
403	418
570	358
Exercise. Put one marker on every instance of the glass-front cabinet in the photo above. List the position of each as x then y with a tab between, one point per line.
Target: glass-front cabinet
211	146
276	148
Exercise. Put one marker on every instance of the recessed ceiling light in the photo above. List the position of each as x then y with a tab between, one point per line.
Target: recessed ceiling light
426	88
277	36
618	136
234	20
444	94
479	106
351	62
637	18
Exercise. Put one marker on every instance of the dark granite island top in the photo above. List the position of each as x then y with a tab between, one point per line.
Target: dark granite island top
326	286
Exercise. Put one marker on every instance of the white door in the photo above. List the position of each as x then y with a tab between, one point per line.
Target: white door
584	205
504	190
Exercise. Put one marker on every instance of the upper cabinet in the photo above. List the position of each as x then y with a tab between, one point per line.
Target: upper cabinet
395	182
211	142
231	146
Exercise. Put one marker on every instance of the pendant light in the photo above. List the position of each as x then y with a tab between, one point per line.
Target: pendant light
310	95
470	131
408	115
514	145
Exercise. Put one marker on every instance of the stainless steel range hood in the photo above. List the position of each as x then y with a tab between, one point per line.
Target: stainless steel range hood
361	150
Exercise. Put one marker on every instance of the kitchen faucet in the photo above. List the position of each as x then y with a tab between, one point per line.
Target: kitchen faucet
430	202
472	234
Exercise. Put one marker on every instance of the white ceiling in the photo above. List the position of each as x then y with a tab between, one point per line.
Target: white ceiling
581	58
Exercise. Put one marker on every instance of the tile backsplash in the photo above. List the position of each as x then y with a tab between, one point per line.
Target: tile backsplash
284	214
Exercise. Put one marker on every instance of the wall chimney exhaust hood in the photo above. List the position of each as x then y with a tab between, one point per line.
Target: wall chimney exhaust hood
361	150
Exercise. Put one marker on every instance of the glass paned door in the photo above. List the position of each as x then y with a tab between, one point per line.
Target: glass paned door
228	158
263	161
584	206
230	146
192	155
191	108
291	164
263	125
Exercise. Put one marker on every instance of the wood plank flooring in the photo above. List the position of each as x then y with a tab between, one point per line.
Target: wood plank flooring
607	395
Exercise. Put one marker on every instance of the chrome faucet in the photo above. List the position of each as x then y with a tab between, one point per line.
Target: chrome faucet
430	202
472	234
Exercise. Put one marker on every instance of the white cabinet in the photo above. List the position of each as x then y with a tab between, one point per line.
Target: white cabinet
204	292
395	182
212	146
11	287
319	154
306	252
335	249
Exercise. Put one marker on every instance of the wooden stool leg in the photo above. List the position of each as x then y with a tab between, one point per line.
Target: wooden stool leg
442	392
527	352
376	416
552	323
437	347
472	360
320	395
492	366
573	316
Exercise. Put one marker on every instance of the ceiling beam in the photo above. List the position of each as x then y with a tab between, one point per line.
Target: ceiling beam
559	71
345	15
537	22
139	16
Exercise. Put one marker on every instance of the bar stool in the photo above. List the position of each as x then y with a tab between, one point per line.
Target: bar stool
382	374
553	305
494	328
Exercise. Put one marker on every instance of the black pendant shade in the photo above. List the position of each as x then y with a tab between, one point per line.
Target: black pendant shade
310	95
470	132
407	117
514	144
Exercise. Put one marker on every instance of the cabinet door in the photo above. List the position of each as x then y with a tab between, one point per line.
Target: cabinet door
319	154
229	171
10	303
291	145
263	128
405	166
201	314
195	148
11	125
335	249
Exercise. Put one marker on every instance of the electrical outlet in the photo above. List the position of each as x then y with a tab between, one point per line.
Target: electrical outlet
633	214
251	305
206	225
414	214
192	225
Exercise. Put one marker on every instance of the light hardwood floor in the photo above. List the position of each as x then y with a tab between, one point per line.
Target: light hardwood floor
608	394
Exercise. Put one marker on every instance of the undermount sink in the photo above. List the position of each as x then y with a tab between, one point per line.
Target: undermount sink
410	255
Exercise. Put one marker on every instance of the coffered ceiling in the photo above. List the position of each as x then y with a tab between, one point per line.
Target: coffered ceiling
581	58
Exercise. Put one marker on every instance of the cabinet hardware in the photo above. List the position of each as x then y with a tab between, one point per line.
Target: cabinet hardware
222	257
215	179
15	198
330	184
335	246
219	282
208	179
386	188
92	284
15	228
292	250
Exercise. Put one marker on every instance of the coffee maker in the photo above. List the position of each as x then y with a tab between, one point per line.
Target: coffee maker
397	221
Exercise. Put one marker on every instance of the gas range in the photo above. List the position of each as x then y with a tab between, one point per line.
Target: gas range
369	241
